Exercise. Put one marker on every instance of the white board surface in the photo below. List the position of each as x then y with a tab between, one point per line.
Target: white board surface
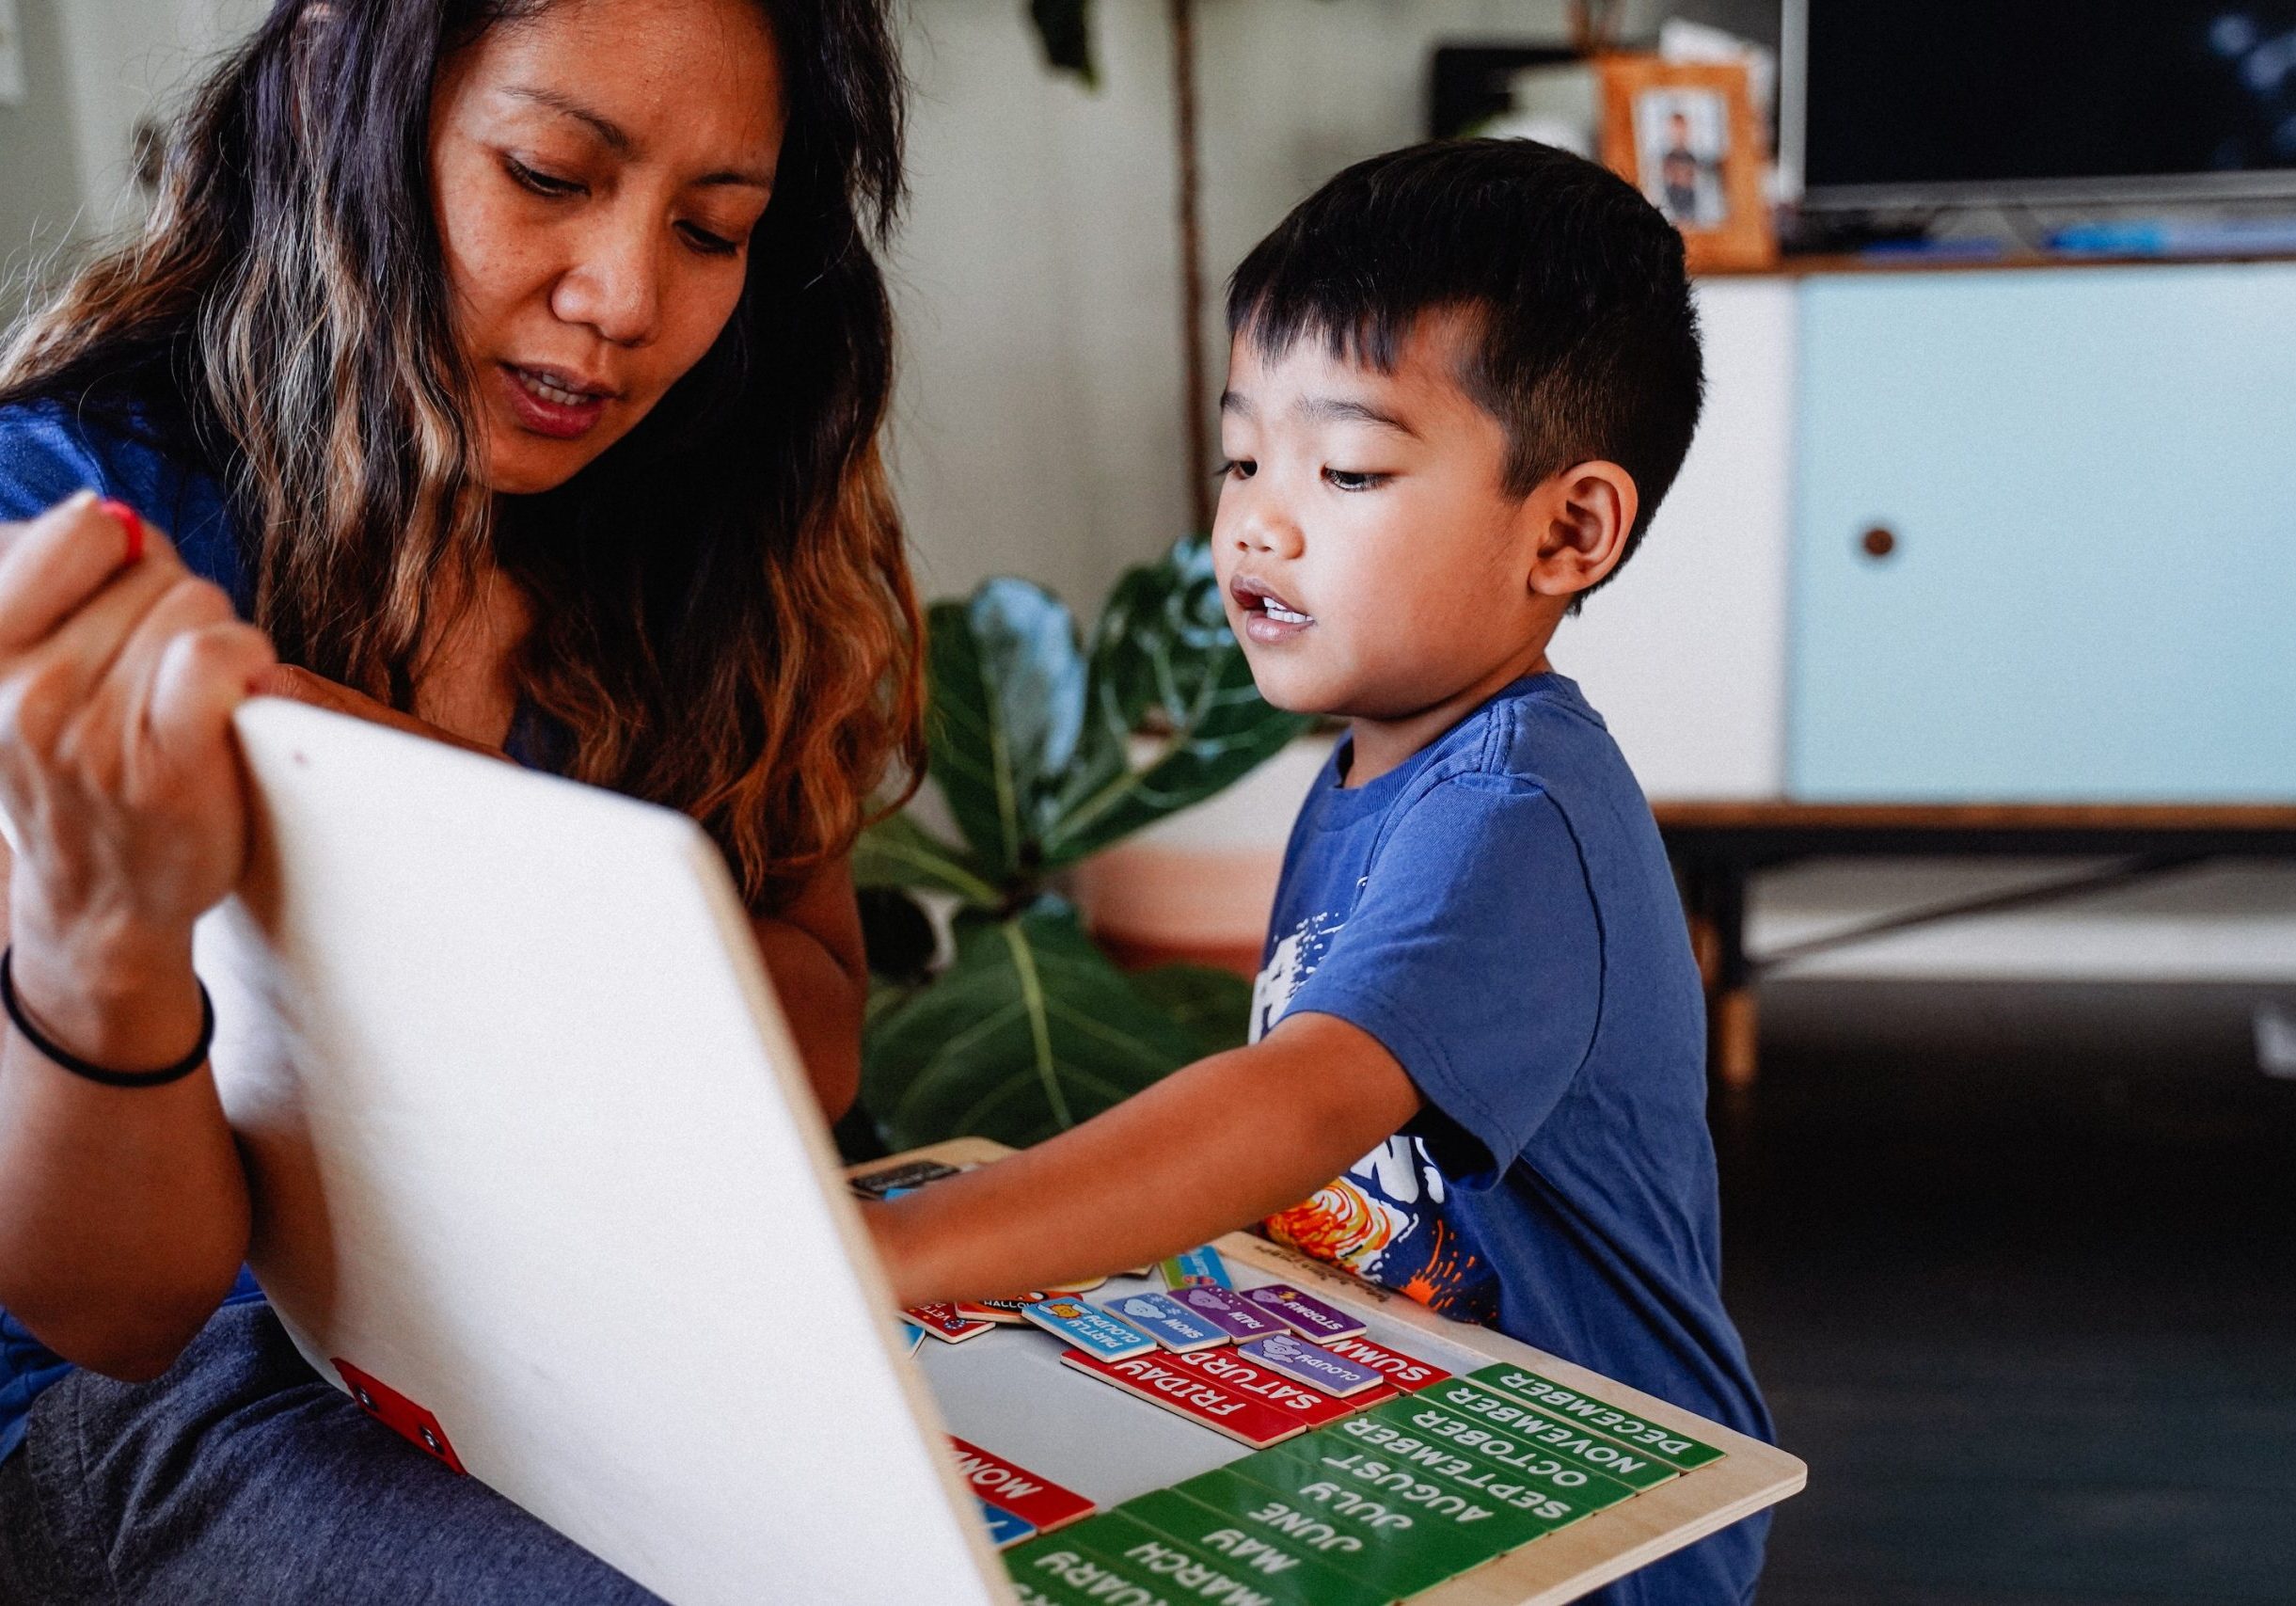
531	1146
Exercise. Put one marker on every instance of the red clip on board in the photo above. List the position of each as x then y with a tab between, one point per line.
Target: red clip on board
397	1412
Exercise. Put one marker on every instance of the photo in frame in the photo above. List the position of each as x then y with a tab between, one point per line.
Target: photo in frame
1684	134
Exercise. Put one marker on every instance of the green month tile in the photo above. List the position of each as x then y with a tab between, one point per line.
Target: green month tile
1261	1548
1448	1536
1403	1445
1140	1555
1637	1469
1508	1452
1051	1570
1568	1405
1062	1570
1389	1552
1420	1487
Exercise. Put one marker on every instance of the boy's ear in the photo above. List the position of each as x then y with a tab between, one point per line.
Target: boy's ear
1580	520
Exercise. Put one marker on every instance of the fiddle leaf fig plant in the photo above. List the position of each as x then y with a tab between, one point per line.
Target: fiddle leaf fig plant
1047	748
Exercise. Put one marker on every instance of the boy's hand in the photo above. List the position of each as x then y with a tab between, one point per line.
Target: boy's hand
1215	1146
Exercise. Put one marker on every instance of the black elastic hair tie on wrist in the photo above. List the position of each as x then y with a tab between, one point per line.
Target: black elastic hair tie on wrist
78	1067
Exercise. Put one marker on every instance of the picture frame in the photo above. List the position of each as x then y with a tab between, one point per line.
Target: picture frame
1684	134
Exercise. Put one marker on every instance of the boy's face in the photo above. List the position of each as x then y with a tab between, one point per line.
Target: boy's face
1373	563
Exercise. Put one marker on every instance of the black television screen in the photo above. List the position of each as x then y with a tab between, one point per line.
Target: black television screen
1913	102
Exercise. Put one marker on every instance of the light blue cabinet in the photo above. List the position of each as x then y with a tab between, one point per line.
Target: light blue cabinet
2089	476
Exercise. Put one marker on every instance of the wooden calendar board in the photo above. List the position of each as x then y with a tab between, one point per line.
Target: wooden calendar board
1009	1393
538	1179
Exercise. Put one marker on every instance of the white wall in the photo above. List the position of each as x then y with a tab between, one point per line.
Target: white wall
1035	425
125	59
1707	586
39	181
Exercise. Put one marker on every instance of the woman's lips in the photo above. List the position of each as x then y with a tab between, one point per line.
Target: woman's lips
544	415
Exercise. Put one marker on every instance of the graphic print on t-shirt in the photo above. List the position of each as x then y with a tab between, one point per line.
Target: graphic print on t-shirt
1388	1221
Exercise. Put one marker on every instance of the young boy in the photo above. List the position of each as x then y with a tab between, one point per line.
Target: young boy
1462	376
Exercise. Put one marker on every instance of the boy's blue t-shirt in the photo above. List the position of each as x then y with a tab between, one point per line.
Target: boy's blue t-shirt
1499	912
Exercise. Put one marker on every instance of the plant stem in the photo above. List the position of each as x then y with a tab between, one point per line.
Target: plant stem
1182	16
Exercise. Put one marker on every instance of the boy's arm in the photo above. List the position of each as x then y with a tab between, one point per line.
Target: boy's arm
1212	1147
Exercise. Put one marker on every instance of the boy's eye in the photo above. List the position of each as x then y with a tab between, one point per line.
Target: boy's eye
541	183
1348	480
1235	468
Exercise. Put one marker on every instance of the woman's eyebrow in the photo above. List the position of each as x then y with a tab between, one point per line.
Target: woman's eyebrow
612	134
617	138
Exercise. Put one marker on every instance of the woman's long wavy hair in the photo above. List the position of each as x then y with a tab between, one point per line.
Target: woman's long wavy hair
724	620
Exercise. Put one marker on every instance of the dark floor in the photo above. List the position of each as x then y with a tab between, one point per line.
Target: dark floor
2016	1266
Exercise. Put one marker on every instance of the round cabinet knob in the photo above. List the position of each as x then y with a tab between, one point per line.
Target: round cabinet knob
1879	542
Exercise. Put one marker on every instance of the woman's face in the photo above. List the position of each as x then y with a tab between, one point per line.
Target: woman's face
597	170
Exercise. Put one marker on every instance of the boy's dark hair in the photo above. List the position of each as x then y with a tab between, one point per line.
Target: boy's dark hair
1588	346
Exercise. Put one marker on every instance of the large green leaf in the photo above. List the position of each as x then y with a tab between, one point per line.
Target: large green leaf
1162	659
1030	1029
1029	1032
1007	707
1163	631
1160	624
897	851
1230	733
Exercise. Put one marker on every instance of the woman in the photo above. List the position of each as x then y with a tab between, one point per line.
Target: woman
514	367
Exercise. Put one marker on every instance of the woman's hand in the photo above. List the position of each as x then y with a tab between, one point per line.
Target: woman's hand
123	1212
118	769
286	680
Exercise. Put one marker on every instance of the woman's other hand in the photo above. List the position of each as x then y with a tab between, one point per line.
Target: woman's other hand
286	680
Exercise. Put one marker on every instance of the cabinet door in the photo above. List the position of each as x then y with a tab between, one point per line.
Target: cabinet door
2088	482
